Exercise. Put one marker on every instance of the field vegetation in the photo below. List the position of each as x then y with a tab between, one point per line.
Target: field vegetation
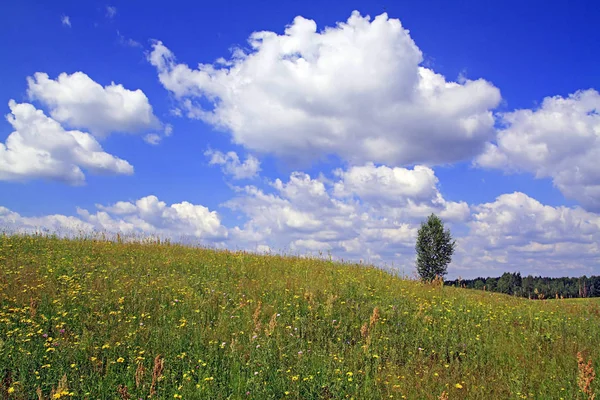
96	319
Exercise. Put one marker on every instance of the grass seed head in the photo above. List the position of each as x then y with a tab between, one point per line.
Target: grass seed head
586	376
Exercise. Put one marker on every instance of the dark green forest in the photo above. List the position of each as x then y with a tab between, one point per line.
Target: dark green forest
534	287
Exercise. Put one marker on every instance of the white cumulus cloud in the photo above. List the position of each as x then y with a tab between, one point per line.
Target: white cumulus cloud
145	216
518	233
40	147
368	212
356	90
231	165
559	140
79	102
413	192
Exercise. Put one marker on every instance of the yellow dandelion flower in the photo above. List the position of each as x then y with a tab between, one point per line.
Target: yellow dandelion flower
120	359
458	386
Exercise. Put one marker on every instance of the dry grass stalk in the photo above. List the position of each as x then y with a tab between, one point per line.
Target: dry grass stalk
33	306
122	390
310	298
159	364
438	281
139	375
374	317
586	376
272	324
364	330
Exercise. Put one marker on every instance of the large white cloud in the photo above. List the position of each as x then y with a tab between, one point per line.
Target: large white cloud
146	216
39	147
79	102
356	90
560	140
518	233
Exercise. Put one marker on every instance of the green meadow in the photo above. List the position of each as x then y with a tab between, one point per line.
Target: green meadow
94	319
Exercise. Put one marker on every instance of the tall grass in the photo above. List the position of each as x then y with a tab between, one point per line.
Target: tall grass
93	319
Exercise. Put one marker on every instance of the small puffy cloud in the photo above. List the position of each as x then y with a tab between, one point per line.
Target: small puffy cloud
559	140
119	208
65	20
111	11
80	102
146	216
152	138
40	147
231	165
155	138
356	90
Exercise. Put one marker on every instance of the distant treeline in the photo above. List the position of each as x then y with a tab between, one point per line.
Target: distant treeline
534	287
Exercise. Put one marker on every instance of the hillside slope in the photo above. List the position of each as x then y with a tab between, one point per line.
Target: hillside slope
102	320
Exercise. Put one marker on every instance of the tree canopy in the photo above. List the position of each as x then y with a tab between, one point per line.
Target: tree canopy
434	248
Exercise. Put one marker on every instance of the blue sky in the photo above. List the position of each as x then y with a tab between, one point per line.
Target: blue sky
347	129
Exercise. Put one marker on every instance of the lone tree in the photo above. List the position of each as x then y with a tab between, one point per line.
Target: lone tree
434	248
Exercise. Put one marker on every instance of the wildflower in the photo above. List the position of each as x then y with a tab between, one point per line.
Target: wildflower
458	386
120	359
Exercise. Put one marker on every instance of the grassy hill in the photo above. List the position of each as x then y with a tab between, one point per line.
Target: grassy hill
99	320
